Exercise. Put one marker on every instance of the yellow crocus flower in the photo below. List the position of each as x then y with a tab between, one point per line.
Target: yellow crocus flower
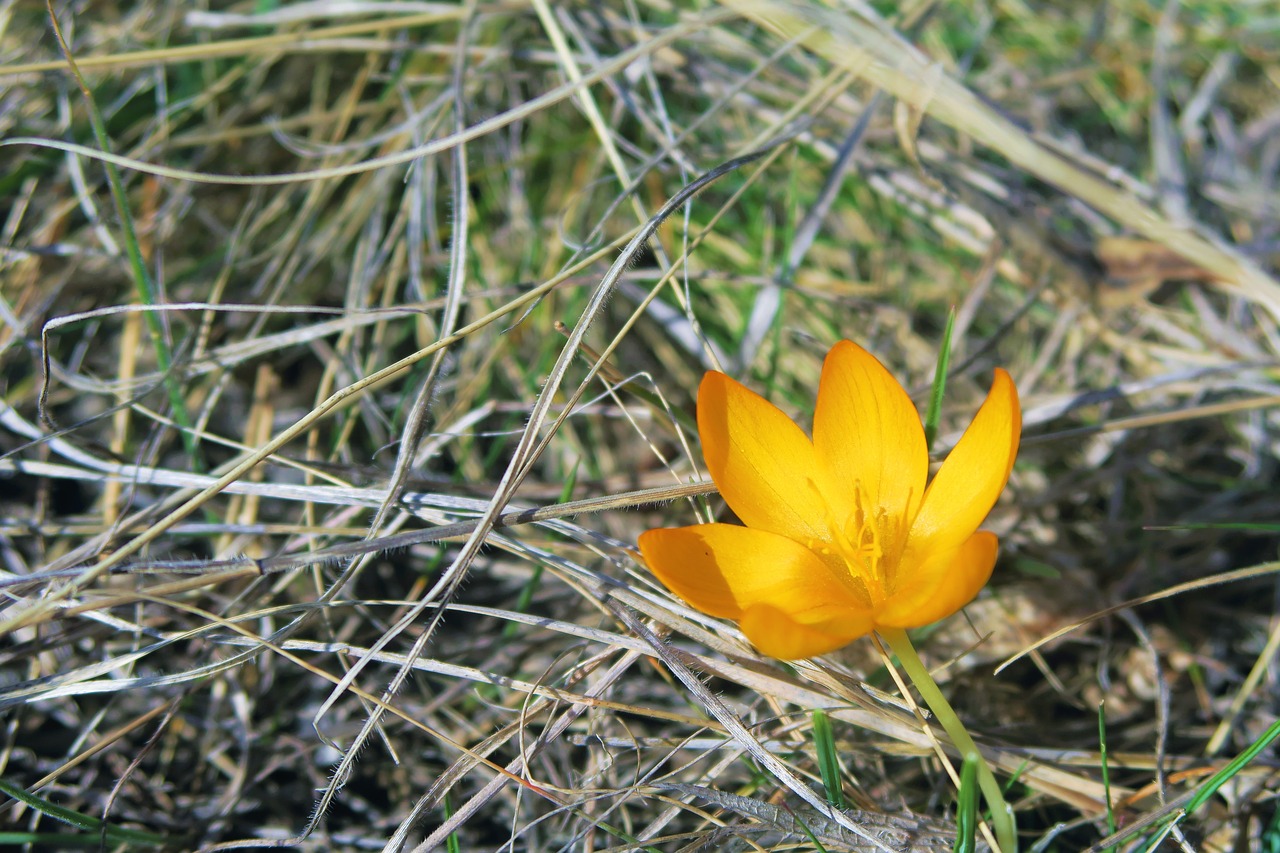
842	535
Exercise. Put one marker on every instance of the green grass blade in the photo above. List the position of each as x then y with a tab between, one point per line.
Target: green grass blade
81	820
825	745
1217	780
934	413
967	805
1106	771
51	840
452	844
1223	776
137	265
813	839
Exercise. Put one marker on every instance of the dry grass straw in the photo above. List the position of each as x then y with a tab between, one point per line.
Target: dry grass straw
392	602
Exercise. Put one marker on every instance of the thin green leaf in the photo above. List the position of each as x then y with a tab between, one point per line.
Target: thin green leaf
83	821
1216	781
825	744
967	805
51	840
1106	772
934	413
137	265
1223	776
813	838
452	844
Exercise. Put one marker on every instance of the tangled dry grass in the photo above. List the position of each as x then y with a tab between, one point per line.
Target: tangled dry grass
317	529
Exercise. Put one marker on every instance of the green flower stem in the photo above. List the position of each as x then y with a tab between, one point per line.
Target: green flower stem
1001	814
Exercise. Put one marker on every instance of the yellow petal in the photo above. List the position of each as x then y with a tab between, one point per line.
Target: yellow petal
971	478
941	585
763	463
867	432
777	635
724	569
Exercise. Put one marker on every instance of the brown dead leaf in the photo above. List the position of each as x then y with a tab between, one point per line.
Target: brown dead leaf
1133	268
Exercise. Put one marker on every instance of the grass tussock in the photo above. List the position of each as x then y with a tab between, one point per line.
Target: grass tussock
332	402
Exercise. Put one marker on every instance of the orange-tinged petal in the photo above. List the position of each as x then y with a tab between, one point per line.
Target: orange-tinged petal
868	436
971	478
723	570
763	463
945	582
777	635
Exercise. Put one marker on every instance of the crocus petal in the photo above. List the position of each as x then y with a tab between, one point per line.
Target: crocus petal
723	570
777	635
945	582
868	434
763	463
971	478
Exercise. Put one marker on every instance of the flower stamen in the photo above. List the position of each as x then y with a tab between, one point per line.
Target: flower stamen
860	541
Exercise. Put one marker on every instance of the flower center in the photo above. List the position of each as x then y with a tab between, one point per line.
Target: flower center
866	541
